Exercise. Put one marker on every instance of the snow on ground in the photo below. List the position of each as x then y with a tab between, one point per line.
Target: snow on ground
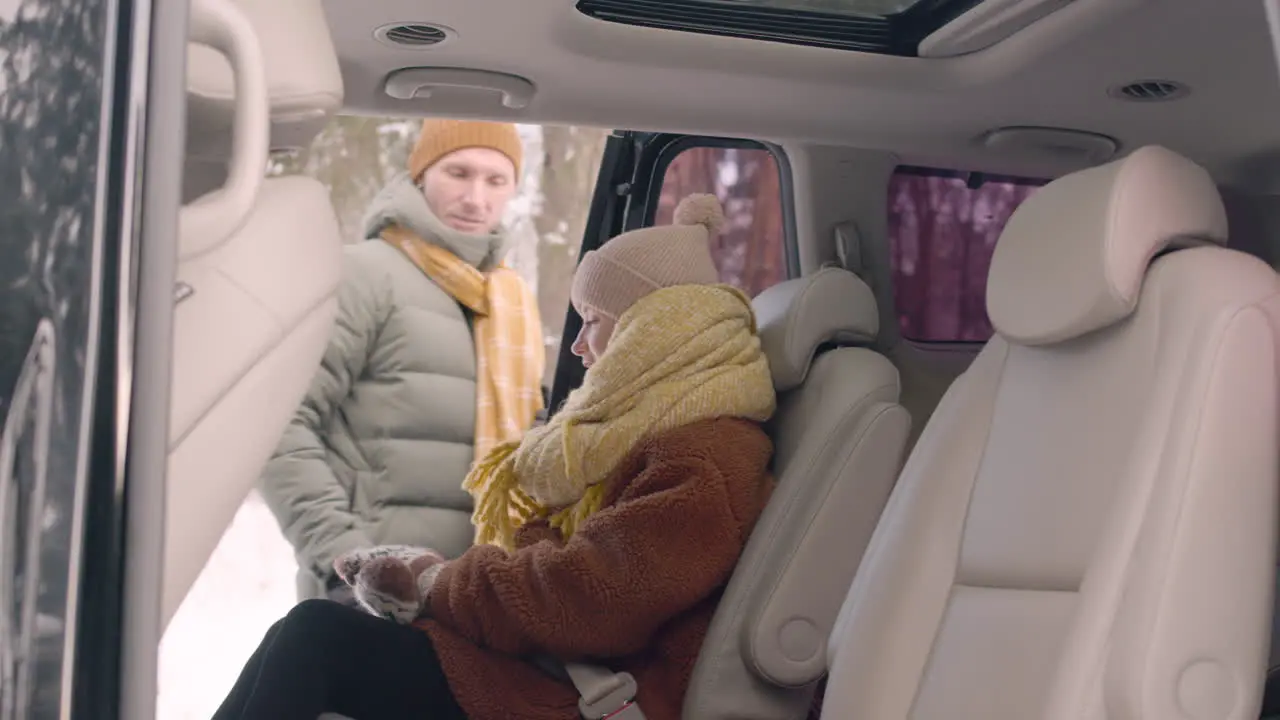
247	585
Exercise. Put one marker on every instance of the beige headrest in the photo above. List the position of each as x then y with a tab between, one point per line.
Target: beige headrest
1073	256
798	316
303	79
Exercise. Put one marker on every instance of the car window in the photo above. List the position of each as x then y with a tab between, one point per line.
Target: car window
942	232
53	61
751	252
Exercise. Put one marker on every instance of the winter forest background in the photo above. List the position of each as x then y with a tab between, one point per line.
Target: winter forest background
942	233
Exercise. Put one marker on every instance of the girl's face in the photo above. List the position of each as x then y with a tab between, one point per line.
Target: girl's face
594	337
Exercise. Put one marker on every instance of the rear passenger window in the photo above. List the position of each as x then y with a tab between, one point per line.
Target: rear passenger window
751	253
943	227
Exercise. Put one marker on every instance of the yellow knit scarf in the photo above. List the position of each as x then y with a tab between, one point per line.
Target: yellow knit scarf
510	354
678	356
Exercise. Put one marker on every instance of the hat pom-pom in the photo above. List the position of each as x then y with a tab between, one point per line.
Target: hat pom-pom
702	209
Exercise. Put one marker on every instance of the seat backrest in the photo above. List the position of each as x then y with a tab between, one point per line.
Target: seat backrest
839	436
1087	526
255	307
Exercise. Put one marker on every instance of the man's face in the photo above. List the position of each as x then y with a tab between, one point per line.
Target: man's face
468	189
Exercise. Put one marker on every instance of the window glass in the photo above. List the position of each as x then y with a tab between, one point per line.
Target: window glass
55	58
859	8
751	253
942	233
890	27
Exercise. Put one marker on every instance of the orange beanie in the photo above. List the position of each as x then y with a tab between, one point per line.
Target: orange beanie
441	136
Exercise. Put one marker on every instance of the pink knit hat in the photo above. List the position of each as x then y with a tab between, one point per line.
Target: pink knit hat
628	267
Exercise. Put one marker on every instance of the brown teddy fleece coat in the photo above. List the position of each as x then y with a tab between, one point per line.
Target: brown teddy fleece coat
634	588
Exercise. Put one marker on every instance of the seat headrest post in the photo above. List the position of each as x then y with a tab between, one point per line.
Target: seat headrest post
1073	256
797	317
849	247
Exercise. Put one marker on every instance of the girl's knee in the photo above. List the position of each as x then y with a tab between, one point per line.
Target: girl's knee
316	611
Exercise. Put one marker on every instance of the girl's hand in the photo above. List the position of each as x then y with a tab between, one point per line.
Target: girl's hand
390	581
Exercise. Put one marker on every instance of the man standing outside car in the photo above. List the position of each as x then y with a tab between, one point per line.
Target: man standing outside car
436	356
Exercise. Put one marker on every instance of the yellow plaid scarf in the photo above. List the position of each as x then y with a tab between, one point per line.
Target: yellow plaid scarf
510	353
678	356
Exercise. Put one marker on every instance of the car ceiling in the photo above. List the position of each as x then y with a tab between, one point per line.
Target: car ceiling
1055	73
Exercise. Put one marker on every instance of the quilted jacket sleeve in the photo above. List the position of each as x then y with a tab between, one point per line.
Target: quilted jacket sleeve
302	490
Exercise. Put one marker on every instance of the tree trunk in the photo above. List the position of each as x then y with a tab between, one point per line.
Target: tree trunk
570	163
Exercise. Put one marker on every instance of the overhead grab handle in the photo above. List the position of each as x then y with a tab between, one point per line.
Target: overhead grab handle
208	221
419	82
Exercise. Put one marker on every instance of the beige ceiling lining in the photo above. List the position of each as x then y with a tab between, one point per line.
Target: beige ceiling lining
1054	73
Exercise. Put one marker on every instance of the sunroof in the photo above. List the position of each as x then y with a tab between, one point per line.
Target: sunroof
863	8
890	27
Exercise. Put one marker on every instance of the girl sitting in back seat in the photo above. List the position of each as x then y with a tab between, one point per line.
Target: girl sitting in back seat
605	535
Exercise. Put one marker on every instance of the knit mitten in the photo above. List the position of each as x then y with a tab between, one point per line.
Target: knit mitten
390	581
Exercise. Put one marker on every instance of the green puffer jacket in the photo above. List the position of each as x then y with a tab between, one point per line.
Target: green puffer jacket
378	450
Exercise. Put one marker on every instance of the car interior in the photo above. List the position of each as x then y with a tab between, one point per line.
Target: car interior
1075	518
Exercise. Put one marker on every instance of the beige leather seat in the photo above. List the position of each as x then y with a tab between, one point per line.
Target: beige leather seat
839	435
256	295
1087	527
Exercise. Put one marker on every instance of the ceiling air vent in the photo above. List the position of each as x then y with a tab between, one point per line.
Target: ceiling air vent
1149	91
413	35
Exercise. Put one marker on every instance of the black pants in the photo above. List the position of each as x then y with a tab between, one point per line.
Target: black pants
326	657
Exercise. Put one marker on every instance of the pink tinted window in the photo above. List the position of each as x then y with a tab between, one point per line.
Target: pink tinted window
751	253
942	233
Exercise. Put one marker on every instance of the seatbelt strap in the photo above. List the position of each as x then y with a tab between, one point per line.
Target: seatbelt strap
604	694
